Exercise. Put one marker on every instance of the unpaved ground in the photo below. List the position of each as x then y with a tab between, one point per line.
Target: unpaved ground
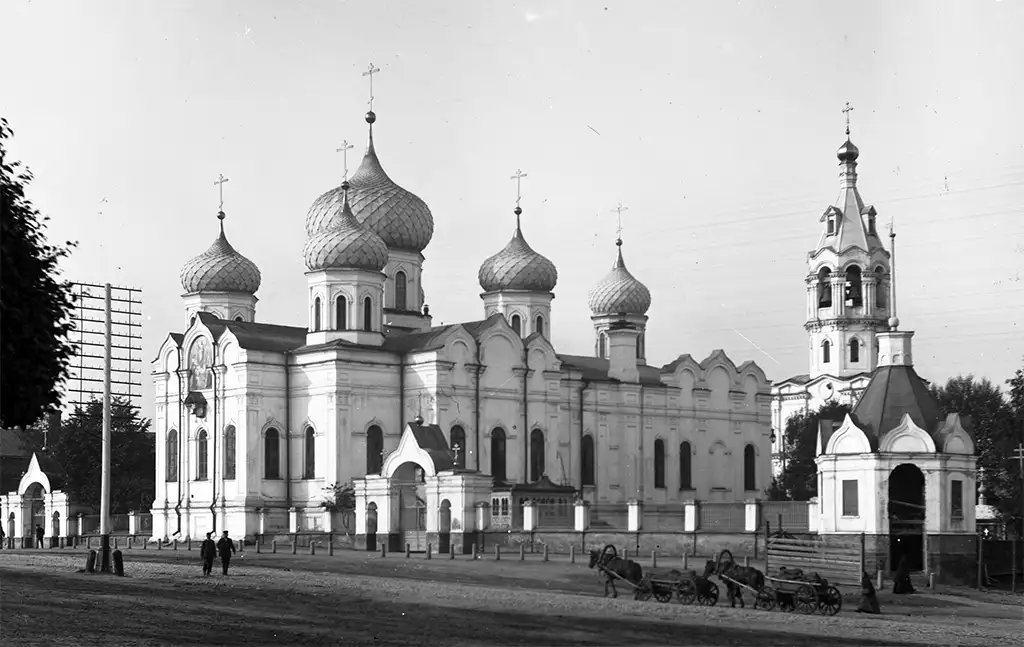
359	599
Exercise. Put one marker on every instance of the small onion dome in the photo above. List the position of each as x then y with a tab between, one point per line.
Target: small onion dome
398	216
220	269
619	292
345	244
517	267
848	152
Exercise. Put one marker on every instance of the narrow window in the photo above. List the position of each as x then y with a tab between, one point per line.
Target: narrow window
517	325
202	456
957	500
854	351
341	314
851	501
879	287
587	460
824	288
400	291
367	314
831	225
458	446
374	450
316	314
871	225
172	455
229	453
826	352
539	328
685	471
536	454
309	470
602	346
854	296
749	468
498	454
272	455
659	463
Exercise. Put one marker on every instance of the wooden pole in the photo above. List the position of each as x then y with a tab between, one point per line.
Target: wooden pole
767	532
981	559
1013	566
863	555
105	459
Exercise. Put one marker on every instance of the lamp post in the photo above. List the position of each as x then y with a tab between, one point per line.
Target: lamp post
105	464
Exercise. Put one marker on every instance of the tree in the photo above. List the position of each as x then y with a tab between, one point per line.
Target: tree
992	419
799	478
1016	384
79	447
340	497
34	350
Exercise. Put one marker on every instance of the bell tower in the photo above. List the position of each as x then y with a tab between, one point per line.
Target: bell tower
847	281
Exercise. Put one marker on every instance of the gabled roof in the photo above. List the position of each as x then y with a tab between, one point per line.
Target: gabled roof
804	378
596	369
256	336
430	438
434	338
892	392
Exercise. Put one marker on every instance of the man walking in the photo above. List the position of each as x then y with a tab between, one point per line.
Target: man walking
40	533
207	552
226	548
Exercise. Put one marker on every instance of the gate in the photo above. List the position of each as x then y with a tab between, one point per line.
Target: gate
413	521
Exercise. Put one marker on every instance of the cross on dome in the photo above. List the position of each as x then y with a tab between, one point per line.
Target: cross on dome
345	148
370	72
847	110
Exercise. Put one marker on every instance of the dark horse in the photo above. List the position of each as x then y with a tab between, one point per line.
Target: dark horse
609	561
743	574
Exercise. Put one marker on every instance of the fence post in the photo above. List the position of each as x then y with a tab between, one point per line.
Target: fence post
654	559
572	554
497	552
257	545
383	549
880	580
330	546
408	551
625	553
981	559
685	565
430	550
863	555
189	545
522	552
545	552
474	550
273	546
295	545
451	550
746	561
312	547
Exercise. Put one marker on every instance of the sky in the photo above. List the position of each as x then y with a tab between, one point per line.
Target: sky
715	123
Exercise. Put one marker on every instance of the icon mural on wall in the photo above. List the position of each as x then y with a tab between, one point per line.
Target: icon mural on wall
200	359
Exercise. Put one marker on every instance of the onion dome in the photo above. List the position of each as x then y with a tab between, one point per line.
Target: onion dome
220	269
398	216
345	243
517	267
848	152
619	292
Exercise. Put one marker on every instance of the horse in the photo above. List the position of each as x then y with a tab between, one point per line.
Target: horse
742	574
609	561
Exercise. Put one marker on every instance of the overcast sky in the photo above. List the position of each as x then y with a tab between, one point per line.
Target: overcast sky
715	123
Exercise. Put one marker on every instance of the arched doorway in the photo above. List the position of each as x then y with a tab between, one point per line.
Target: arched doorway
35	511
10	529
412	505
906	516
444	527
371	526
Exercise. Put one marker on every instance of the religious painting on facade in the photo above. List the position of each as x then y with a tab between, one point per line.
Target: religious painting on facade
200	360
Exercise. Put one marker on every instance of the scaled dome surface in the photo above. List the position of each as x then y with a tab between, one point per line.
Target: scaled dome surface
345	243
220	269
619	292
518	267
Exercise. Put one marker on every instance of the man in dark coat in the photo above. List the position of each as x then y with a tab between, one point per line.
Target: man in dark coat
40	533
901	584
226	548
868	599
207	552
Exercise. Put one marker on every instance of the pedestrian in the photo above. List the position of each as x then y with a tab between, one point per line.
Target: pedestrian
40	533
207	552
901	583
868	599
226	548
3	536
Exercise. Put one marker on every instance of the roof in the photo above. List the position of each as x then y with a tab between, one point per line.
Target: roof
596	369
257	336
892	392
619	292
432	339
220	269
517	267
431	439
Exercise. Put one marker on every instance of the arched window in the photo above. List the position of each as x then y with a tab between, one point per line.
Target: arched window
659	463
587	460
229	453
316	314
685	467
539	328
272	455
238	318
854	291
341	314
172	455
517	324
824	288
879	287
458	446
602	345
400	291
854	351
202	456
309	468
749	468
826	352
831	225
374	450
367	314
536	454
498	454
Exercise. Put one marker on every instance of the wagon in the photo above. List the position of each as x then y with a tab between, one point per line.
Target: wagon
687	587
806	594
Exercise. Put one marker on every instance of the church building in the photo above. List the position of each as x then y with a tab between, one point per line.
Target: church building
254	419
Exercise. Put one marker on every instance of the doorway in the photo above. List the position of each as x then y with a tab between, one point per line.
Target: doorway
906	512
412	506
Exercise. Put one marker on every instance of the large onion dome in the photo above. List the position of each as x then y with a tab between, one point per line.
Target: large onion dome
518	267
345	244
220	269
398	216
619	292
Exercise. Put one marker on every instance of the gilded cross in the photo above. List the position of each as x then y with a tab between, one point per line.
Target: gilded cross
618	210
455	451
345	148
1018	453
518	177
370	72
220	183
847	110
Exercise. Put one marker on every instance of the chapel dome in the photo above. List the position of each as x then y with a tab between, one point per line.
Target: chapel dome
517	267
619	292
345	244
848	152
398	216
220	269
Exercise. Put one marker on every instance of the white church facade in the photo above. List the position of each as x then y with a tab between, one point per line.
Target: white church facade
254	420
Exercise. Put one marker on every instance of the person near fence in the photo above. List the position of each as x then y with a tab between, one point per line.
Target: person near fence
40	533
226	547
901	584
868	599
3	539
207	552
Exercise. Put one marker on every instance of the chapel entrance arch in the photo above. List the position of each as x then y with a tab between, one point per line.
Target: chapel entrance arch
409	479
35	510
906	512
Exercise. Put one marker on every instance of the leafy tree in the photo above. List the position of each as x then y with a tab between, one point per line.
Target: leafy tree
34	351
1016	384
799	478
340	497
79	451
992	418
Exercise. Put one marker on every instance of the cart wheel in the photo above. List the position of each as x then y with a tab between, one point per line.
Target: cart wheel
643	590
709	596
831	601
686	592
765	599
663	595
806	599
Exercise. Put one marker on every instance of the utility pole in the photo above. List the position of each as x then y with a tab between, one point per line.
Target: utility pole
105	466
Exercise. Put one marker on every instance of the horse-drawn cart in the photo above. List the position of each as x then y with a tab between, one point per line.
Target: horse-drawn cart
807	594
686	587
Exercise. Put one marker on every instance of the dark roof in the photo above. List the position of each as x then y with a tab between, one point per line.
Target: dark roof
433	339
11	444
12	468
52	469
596	369
802	378
257	336
892	392
430	438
